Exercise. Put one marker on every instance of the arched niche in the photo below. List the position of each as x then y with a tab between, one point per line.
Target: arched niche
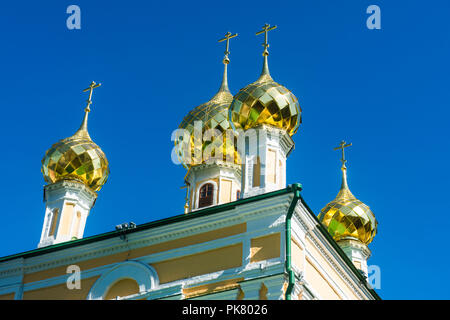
124	277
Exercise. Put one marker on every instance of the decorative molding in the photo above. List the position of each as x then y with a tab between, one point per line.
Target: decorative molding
70	185
143	274
148	237
335	266
217	163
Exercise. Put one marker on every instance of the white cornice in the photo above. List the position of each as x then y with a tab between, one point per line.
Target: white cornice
217	164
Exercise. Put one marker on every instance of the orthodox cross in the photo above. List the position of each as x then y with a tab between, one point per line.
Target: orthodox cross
265	29
91	88
227	38
343	145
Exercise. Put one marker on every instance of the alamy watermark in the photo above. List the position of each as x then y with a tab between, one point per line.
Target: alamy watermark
74	280
374	276
74	20
374	20
208	146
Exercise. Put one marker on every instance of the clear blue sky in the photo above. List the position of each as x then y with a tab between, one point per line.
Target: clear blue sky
386	91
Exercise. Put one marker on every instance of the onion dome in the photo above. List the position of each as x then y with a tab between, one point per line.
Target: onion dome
348	218
265	102
76	158
210	115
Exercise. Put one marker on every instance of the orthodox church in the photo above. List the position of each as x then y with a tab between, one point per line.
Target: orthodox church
244	233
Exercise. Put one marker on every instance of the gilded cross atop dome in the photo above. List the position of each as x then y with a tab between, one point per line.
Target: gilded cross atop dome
227	38
224	92
91	88
344	192
342	146
77	157
265	29
265	75
265	101
347	217
83	132
213	114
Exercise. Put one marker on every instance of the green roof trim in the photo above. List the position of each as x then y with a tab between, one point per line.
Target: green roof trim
288	263
148	225
294	188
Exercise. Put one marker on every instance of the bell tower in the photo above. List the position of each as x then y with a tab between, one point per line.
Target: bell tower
208	149
74	168
265	116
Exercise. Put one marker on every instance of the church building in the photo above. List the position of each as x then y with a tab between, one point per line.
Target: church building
244	233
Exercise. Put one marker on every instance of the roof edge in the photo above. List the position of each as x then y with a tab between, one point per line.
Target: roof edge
341	252
149	225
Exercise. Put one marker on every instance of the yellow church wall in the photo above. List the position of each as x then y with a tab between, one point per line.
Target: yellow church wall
8	296
317	281
263	292
61	292
200	263
212	288
297	255
169	270
136	253
122	288
265	247
325	265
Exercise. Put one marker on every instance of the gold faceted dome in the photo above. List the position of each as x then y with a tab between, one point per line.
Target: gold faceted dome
348	218
265	102
213	115
76	158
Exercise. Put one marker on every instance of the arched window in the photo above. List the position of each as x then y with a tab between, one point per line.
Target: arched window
206	195
122	288
123	279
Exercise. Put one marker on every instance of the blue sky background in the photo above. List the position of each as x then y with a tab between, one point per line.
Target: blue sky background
386	91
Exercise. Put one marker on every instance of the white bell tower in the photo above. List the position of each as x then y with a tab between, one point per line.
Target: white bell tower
68	203
264	153
74	168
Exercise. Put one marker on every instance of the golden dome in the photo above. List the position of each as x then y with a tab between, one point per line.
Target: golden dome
265	101
213	115
76	158
348	218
